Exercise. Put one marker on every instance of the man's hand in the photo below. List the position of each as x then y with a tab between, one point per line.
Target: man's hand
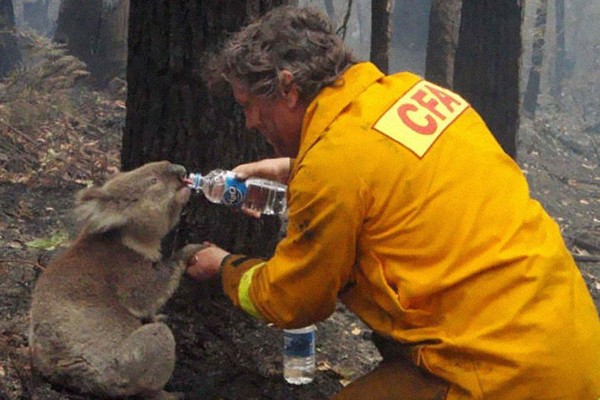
275	169
206	263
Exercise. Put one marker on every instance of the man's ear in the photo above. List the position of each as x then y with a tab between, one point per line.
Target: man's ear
288	88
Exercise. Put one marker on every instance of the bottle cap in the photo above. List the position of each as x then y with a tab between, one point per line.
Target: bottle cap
193	181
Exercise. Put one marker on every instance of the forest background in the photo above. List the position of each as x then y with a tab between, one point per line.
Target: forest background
72	110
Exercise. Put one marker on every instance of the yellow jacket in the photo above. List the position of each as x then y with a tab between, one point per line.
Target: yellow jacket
403	206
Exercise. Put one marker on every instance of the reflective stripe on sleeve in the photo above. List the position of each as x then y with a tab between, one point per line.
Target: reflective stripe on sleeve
244	292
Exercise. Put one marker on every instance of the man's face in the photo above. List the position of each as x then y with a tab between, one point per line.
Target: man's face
278	120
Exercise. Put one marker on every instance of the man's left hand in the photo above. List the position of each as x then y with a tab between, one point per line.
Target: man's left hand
206	263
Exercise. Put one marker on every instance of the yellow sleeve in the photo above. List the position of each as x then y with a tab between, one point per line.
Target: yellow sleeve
300	284
236	277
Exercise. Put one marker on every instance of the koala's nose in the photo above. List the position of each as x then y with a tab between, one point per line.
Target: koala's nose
178	170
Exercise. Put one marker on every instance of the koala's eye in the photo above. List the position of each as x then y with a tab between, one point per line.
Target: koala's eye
154	181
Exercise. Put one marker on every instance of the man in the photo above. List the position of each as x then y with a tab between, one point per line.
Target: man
404	207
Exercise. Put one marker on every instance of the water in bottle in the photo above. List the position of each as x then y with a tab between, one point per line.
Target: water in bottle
222	187
299	355
266	197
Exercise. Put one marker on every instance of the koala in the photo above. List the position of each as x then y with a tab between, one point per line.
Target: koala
94	322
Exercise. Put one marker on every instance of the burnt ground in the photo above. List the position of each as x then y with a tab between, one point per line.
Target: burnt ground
222	353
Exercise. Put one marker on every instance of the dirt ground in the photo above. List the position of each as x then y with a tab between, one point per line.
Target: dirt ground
222	353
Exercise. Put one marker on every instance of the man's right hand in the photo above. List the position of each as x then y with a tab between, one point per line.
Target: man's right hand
275	169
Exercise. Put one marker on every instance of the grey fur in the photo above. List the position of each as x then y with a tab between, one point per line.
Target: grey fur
94	316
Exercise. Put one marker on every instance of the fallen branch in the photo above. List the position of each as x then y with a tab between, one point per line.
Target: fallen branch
14	151
20	133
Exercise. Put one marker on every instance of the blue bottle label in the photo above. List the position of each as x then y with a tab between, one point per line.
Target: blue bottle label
299	344
235	191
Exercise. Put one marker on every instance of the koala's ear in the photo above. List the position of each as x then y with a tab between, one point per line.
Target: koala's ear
96	210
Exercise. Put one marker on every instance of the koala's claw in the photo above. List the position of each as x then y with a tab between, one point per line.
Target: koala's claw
158	318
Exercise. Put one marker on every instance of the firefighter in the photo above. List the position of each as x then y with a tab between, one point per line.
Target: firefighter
402	206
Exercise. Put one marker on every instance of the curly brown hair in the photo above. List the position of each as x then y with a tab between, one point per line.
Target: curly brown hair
297	39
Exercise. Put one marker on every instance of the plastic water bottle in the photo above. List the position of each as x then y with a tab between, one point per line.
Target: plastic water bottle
299	355
222	187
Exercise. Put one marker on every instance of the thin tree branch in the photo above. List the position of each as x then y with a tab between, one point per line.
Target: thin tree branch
20	133
344	27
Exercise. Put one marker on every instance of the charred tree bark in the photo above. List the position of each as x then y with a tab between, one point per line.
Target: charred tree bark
35	15
95	32
560	62
487	64
409	34
381	11
10	57
444	23
172	115
73	29
537	58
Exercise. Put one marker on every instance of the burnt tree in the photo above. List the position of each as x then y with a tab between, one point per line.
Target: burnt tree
561	53
381	11
74	27
532	90
409	33
10	56
444	22
486	69
172	115
35	16
95	32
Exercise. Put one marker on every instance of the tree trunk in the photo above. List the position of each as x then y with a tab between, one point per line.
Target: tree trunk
410	24
381	11
444	24
537	58
560	62
487	64
35	15
10	57
363	22
74	29
171	114
113	37
96	34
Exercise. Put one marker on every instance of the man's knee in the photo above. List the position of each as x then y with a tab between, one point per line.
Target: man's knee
395	379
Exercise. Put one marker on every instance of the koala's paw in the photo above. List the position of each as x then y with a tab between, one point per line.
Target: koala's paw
188	251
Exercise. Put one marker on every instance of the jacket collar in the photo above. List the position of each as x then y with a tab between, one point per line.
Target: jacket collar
332	100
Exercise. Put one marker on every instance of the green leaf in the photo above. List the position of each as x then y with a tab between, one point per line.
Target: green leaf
50	243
